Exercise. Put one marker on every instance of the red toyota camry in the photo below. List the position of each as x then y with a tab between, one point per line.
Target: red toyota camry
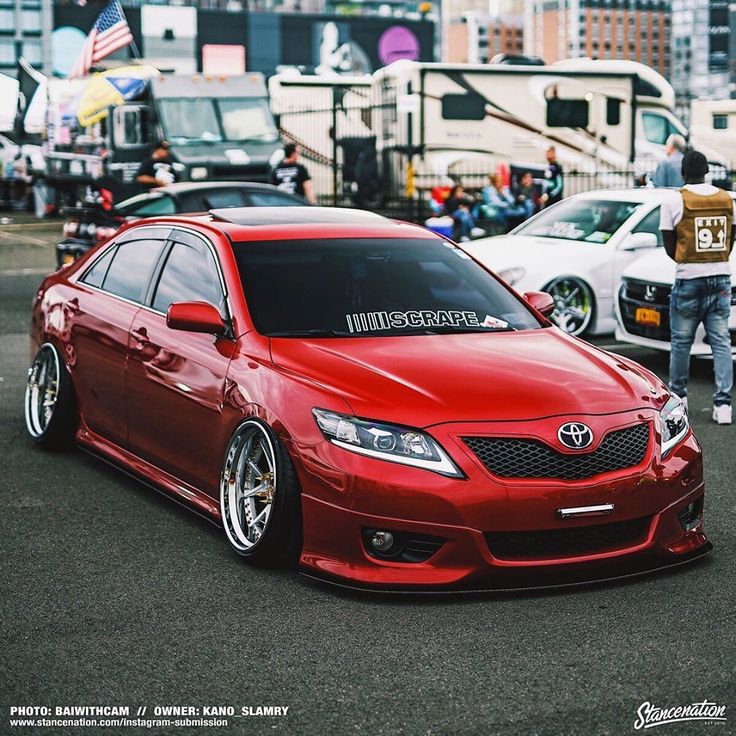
361	397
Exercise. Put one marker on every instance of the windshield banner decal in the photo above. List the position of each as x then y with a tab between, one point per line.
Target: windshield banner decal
373	321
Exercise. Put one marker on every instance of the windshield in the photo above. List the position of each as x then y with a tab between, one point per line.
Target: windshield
583	220
367	287
212	120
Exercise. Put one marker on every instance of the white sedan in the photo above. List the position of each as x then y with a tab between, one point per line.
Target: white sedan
642	308
577	251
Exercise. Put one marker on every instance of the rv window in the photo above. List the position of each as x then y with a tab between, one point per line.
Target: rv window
463	107
130	125
657	128
720	122
613	111
567	113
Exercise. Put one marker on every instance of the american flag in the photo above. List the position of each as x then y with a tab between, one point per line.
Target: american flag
109	33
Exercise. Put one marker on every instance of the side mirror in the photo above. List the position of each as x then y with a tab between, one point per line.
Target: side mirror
195	317
635	241
541	301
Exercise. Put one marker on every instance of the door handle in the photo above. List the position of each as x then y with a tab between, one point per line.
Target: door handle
141	333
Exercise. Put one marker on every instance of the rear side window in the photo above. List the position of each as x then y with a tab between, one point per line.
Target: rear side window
131	268
189	275
267	199
221	198
96	275
148	206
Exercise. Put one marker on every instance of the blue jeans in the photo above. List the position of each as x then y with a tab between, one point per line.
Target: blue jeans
706	300
465	221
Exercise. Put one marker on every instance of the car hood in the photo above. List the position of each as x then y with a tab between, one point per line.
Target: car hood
432	379
658	267
530	252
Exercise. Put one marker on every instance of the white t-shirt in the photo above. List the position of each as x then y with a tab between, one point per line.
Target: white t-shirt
671	213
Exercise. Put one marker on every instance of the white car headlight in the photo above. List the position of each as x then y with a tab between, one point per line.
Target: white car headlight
198	173
512	275
386	442
276	158
674	423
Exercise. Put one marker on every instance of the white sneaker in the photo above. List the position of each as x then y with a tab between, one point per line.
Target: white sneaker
477	232
722	414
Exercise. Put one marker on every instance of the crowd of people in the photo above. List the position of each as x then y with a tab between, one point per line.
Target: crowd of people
500	206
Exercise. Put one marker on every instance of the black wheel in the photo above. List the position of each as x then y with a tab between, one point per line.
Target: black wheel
260	497
50	407
574	304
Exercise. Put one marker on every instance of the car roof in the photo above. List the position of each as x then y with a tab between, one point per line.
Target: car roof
194	186
294	223
638	194
256	216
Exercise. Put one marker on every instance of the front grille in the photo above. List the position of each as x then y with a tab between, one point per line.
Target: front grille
582	540
632	296
658	294
241	173
511	457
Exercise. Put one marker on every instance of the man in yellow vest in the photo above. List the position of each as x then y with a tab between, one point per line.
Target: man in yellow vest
697	228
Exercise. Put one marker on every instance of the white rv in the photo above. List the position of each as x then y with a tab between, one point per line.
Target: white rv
600	115
713	127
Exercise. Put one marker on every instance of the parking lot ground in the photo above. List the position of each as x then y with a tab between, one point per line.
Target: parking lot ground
111	594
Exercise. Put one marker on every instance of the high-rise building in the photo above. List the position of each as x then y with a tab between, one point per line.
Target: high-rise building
25	30
701	39
638	30
478	37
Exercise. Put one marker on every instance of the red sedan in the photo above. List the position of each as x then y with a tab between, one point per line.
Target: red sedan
362	397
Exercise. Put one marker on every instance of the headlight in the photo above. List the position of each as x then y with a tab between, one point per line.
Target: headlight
276	158
674	423
386	442
198	172
512	275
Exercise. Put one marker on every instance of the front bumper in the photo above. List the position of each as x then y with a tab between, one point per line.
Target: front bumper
344	494
631	298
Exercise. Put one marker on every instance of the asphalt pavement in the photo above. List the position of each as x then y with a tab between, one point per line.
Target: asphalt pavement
111	594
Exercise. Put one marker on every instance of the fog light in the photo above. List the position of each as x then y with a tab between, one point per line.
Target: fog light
382	541
691	515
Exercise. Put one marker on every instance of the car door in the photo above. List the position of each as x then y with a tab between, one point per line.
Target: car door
175	379
108	296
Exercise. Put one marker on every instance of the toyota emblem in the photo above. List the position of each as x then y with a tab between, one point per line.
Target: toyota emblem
575	435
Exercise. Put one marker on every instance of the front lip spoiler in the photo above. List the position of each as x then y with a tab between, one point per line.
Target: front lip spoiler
703	551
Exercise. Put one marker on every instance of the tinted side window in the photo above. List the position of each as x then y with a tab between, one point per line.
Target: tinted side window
96	274
650	224
267	199
161	204
131	267
189	275
218	198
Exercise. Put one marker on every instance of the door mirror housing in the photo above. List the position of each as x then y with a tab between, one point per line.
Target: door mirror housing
636	241
195	317
541	301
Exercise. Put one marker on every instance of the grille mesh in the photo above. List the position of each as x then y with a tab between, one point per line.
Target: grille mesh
567	542
511	457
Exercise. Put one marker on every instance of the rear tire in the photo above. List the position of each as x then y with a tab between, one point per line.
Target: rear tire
50	406
260	498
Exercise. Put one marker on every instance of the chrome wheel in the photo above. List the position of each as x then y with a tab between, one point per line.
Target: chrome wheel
573	304
248	485
42	390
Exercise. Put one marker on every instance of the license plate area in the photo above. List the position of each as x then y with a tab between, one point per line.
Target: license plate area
646	316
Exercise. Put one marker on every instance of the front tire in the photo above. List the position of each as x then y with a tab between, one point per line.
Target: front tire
259	497
574	304
50	407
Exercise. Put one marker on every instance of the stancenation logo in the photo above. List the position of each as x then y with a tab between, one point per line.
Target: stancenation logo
651	716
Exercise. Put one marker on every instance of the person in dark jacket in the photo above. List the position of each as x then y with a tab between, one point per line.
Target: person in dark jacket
460	207
554	183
